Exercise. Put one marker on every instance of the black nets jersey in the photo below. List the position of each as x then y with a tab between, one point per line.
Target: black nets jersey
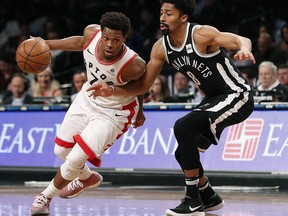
215	72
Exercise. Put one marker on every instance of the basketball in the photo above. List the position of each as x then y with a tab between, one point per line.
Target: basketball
33	55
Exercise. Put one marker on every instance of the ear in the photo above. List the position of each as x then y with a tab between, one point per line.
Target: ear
184	18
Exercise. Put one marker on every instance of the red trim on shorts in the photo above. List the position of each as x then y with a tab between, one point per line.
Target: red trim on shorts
63	143
130	107
92	157
123	67
98	30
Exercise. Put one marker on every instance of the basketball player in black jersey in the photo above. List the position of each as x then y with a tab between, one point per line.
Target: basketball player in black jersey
198	52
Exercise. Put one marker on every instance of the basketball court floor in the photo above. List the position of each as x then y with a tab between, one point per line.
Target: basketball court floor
108	200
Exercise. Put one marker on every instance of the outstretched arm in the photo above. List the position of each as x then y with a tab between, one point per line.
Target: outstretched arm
210	38
139	86
74	43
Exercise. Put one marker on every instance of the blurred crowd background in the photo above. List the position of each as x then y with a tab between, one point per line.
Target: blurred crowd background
264	22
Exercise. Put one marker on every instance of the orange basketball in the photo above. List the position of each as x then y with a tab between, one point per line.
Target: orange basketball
33	55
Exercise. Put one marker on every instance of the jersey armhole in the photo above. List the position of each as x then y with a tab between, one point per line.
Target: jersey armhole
91	39
165	49
123	67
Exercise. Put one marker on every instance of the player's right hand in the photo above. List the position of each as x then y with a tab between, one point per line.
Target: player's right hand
100	89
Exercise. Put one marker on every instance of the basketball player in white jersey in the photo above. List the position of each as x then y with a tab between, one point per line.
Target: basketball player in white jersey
197	51
90	125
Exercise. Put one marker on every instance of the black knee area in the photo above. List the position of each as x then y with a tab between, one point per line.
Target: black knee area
178	157
188	132
201	170
178	129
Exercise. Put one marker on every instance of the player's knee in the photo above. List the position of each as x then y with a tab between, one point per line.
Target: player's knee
61	152
179	129
178	156
71	168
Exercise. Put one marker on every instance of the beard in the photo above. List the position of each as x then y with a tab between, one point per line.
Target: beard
166	31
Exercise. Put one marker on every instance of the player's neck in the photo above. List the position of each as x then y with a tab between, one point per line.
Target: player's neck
178	35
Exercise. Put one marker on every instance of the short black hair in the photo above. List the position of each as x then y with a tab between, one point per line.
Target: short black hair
115	21
185	6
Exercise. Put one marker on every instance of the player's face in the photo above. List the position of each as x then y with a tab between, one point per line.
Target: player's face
170	18
112	42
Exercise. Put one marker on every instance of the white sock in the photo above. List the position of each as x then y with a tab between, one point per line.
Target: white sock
192	180
206	185
85	172
51	190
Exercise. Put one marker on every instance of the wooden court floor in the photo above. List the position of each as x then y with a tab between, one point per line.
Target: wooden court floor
108	200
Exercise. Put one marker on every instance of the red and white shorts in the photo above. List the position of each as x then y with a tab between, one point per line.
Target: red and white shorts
93	127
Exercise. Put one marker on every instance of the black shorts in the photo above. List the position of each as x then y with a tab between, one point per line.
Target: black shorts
223	111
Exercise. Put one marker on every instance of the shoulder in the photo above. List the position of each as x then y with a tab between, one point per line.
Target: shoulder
205	30
158	50
138	64
158	44
139	61
90	30
134	69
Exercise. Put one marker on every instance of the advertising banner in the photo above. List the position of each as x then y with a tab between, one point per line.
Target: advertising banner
260	144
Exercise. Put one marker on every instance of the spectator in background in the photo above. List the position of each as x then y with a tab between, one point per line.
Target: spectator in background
45	85
159	91
282	74
7	69
78	79
269	89
283	44
250	74
61	60
182	88
53	34
147	31
198	95
267	51
18	94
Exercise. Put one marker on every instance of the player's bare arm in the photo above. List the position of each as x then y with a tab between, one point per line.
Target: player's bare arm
139	86
88	33
208	39
140	117
134	70
74	43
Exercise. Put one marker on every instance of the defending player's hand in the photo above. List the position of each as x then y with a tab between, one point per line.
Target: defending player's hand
140	119
100	89
243	55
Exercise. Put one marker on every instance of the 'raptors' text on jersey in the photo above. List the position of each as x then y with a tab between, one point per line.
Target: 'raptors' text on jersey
214	72
109	72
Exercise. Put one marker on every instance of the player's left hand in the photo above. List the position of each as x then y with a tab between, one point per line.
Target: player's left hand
140	119
100	89
243	55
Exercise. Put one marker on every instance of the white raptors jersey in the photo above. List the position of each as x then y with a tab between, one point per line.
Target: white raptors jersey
109	72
